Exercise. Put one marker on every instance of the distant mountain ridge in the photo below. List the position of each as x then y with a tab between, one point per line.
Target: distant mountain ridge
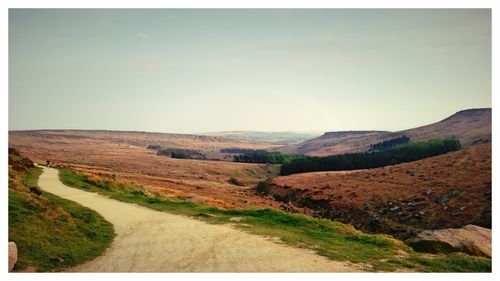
470	126
285	137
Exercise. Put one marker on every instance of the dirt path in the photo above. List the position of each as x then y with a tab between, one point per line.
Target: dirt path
152	241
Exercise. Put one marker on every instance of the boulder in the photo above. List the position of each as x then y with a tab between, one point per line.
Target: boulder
471	239
12	255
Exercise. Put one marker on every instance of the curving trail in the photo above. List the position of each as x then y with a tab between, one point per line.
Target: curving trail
153	241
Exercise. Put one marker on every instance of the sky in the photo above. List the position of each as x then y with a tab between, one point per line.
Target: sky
189	71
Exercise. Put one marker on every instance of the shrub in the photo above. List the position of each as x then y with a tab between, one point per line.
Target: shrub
431	246
235	181
262	187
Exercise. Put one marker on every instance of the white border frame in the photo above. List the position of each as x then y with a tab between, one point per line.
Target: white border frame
6	4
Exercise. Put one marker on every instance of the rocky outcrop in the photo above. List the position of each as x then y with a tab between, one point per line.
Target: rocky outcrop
12	255
470	239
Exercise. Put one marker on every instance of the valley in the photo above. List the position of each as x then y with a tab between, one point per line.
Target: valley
450	190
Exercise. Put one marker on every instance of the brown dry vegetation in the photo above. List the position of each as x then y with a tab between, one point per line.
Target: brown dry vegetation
363	198
450	190
124	155
471	127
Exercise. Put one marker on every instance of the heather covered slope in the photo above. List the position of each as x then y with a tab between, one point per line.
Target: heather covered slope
124	155
139	139
337	143
450	190
472	126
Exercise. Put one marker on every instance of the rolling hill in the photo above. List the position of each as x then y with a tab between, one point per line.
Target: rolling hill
450	190
125	155
282	138
471	127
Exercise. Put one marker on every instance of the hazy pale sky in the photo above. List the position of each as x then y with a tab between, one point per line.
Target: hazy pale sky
192	71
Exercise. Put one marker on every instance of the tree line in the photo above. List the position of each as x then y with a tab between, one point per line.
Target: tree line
266	157
354	161
181	153
242	150
387	144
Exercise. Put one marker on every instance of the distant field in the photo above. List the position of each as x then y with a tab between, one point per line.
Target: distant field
125	155
280	138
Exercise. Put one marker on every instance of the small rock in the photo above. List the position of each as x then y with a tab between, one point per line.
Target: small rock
394	209
428	192
12	255
441	200
471	239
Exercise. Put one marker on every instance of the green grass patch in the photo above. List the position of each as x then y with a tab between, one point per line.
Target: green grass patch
455	262
52	233
328	238
431	246
31	178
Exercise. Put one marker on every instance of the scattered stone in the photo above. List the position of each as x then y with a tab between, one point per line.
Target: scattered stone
422	177
393	209
405	219
441	200
428	192
471	239
450	194
419	203
12	255
410	172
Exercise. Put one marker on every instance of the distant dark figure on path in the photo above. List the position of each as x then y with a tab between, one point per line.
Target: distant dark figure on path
48	163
